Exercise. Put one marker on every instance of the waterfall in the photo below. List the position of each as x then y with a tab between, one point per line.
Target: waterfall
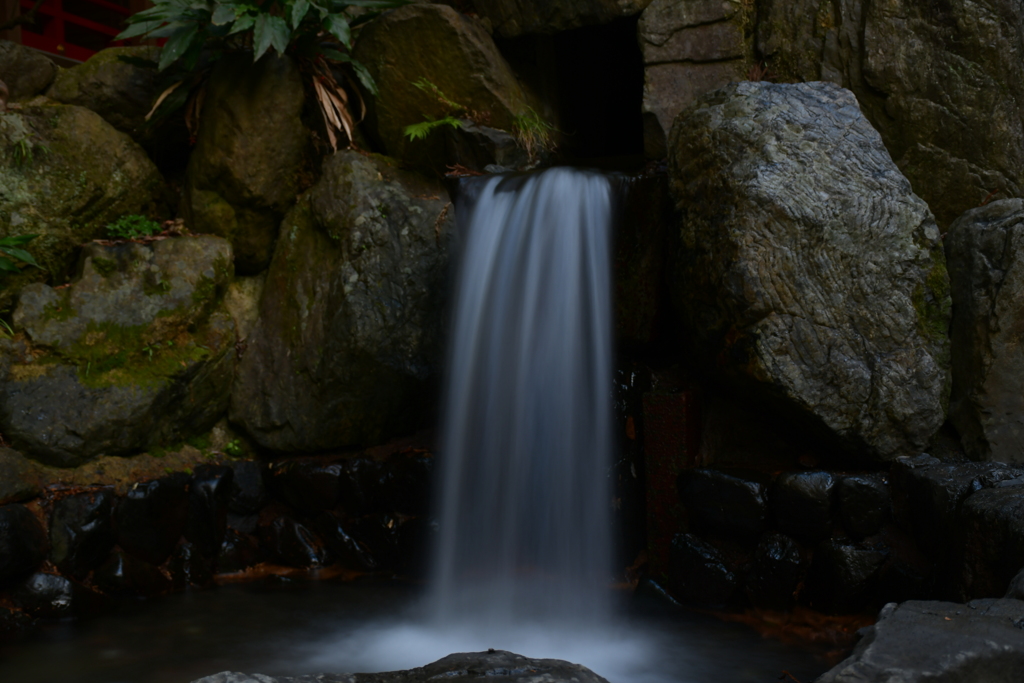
525	437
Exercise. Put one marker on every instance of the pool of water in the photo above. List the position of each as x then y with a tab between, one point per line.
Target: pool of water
303	627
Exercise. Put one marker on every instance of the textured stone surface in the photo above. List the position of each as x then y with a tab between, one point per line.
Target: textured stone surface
802	504
698	573
809	272
864	503
942	82
730	503
843	576
920	641
351	315
136	352
82	531
251	156
985	252
66	191
992	522
457	668
777	568
22	542
25	72
513	18
451	51
19	477
151	517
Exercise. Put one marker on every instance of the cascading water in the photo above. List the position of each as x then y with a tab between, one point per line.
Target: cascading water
525	436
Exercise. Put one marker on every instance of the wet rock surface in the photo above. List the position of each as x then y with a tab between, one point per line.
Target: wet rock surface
728	503
22	542
992	521
46	596
865	503
920	641
459	668
289	542
698	572
152	516
844	575
208	495
796	291
802	504
124	576
82	531
986	272
777	568
349	333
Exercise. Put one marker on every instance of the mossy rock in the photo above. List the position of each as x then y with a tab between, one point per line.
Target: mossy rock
26	72
65	173
138	352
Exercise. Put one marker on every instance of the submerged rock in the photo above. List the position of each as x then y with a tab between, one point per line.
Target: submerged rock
456	668
809	272
349	332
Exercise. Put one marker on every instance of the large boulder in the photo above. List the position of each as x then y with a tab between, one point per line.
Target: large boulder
252	156
919	641
64	175
513	18
985	252
942	83
25	72
351	313
809	273
136	352
452	52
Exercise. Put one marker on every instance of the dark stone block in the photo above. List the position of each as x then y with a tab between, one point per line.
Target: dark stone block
365	484
246	524
238	552
289	542
864	503
51	596
411	481
22	542
208	496
776	571
14	624
348	551
151	517
380	534
908	574
843	575
802	504
248	492
698	573
992	523
308	485
123	575
82	531
728	503
189	567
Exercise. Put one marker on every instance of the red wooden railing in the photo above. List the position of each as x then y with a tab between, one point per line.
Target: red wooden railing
75	29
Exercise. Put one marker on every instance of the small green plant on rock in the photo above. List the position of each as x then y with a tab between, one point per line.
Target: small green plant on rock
419	131
234	448
132	226
533	133
11	253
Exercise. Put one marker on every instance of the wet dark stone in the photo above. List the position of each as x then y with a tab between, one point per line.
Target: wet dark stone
365	486
248	492
843	575
698	573
992	522
238	552
247	524
51	596
123	575
346	549
208	496
908	574
151	517
82	531
776	571
927	495
289	542
864	503
307	485
415	539
13	624
189	567
380	534
22	542
802	504
728	503
411	481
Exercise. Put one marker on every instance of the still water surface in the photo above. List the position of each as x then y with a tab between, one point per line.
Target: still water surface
316	626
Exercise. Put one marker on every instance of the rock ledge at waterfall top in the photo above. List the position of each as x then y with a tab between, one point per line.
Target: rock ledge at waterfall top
808	271
456	668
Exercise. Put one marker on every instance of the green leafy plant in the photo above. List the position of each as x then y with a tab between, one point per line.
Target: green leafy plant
317	33
234	448
533	133
419	131
11	252
132	227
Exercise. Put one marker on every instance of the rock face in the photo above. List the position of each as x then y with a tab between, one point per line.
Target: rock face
690	47
137	352
452	52
57	186
457	668
921	641
942	83
251	156
513	18
809	273
25	72
985	249
351	314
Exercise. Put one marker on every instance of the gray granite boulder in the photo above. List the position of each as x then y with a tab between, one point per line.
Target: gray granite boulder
457	668
939	642
138	351
985	252
351	313
809	273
